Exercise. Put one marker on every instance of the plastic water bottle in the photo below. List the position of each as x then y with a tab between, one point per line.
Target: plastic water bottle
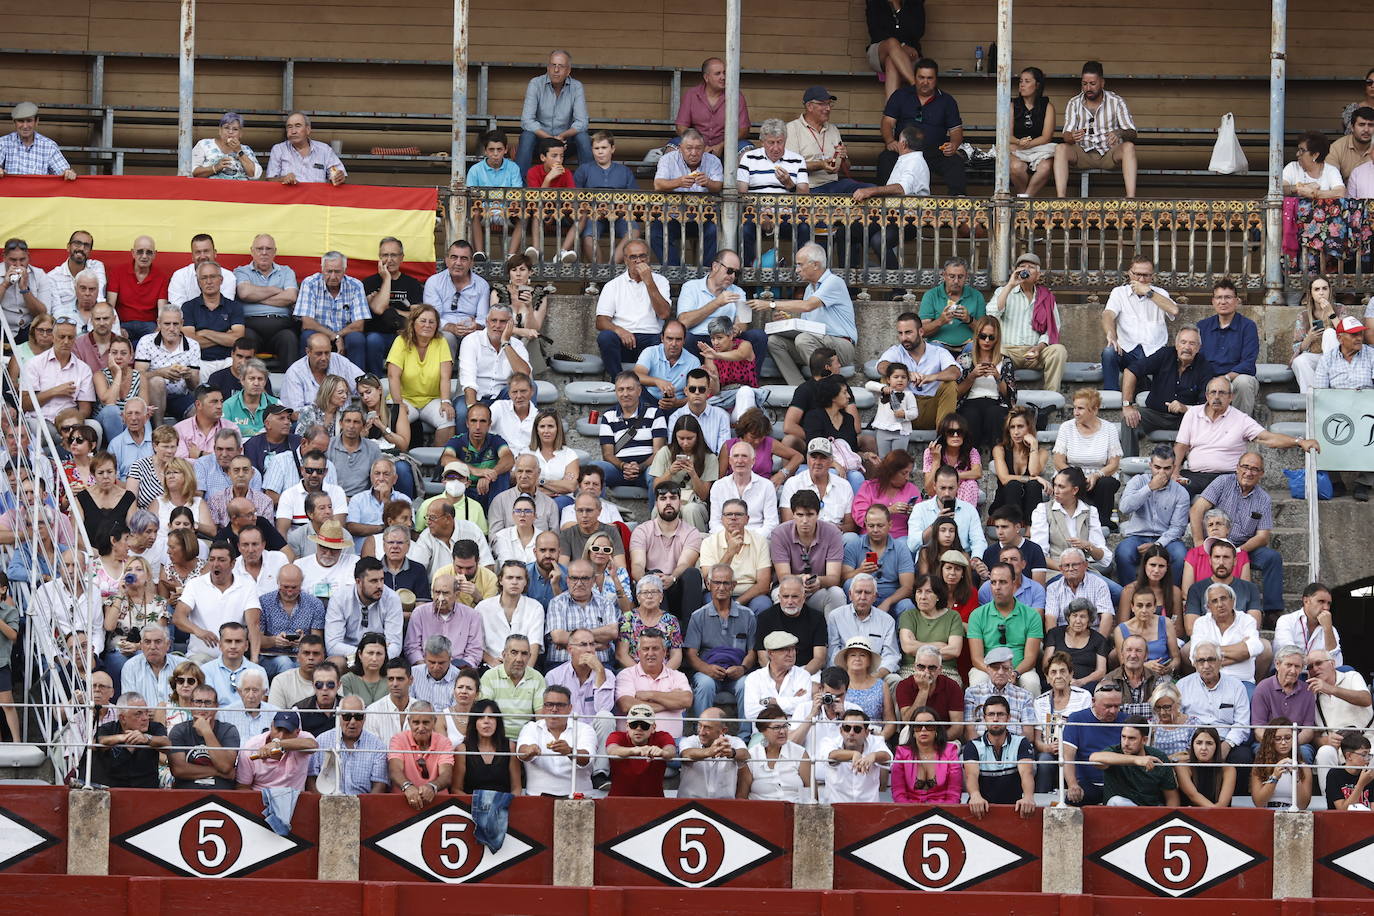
978	59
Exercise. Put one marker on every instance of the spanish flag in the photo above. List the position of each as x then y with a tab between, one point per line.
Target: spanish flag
306	220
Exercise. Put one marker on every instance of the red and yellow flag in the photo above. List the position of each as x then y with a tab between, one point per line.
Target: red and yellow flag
306	220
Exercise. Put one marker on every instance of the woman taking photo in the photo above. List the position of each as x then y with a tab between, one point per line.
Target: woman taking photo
777	769
105	503
558	464
1052	709
889	486
649	613
1279	778
145	477
331	399
987	385
419	372
364	677
466	690
486	760
134	606
1205	786
1019	461
114	385
685	461
529	307
1032	131
755	428
1077	526
510	611
1079	639
1094	447
1314	331
867	691
953	446
927	769
930	624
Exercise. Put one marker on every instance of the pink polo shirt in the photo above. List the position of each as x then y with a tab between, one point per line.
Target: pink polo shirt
287	772
632	680
44	372
190	433
440	753
695	111
1215	446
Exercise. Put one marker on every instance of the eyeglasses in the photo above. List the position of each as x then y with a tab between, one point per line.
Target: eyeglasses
1164	707
777	727
697	389
640	726
927	667
1205	660
852	729
145	251
580	578
204	702
352	716
716	583
549	704
326	685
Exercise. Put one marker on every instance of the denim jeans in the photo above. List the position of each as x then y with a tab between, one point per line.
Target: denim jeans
1113	363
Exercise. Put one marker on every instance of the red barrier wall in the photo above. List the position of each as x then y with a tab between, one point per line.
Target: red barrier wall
1178	853
213	835
694	843
34	824
1343	846
936	849
440	844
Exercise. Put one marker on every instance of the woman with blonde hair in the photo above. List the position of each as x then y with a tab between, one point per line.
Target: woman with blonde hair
419	372
329	402
179	489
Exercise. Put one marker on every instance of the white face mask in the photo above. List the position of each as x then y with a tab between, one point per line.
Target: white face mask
455	488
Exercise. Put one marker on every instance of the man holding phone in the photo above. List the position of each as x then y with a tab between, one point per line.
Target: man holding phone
878	554
945	504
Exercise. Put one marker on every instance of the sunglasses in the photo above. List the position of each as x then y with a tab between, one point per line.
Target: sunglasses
852	729
732	271
326	685
987	336
954	432
923	727
312	470
603	550
352	716
640	726
697	389
423	767
187	680
1002	633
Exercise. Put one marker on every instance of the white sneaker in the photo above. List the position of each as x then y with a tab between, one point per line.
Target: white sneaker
532	253
567	257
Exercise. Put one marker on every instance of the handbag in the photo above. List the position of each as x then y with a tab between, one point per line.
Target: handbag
1297	484
1228	158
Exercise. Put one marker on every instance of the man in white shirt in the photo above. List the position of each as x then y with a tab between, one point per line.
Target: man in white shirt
1235	635
1310	627
386	718
312	471
557	753
853	760
631	310
834	492
63	276
487	359
910	177
182	288
780	682
742	483
711	759
1135	321
211	600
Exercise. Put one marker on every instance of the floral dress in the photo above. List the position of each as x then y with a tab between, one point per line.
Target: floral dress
631	625
968	489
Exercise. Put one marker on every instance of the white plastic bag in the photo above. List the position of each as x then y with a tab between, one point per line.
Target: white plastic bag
1227	156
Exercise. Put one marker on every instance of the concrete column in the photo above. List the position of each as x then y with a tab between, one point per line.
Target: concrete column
340	837
1061	857
1293	862
574	842
88	832
813	847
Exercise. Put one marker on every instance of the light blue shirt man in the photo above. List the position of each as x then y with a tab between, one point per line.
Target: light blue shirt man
971	535
656	364
837	309
695	294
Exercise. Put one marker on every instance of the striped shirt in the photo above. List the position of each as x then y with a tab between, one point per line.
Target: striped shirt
1015	314
1335	371
333	310
41	157
649	424
1111	115
151	350
359	766
758	171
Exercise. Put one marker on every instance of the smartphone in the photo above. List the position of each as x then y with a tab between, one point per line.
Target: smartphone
871	557
947	504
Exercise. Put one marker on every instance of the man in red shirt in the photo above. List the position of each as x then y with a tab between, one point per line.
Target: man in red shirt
639	755
551	173
137	290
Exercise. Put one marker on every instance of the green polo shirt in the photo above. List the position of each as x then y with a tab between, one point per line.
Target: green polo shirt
517	701
1142	786
1021	624
956	333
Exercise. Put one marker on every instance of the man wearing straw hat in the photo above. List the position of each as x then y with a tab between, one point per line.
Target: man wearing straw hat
780	682
329	570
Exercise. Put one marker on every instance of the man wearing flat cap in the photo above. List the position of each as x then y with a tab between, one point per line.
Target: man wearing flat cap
27	152
1030	322
639	755
781	682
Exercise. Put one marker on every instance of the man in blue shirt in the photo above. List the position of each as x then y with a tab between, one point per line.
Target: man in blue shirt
827	301
880	555
555	106
1087	732
604	172
937	114
663	368
1230	343
1158	508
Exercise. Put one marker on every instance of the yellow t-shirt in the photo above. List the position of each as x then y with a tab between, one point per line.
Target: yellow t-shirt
419	377
485	583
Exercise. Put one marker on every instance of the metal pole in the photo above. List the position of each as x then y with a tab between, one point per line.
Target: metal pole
458	152
186	87
1273	204
1001	190
288	85
729	211
1314	550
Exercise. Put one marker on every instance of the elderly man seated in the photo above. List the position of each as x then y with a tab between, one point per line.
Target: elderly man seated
772	168
301	160
1343	703
555	107
333	305
1221	702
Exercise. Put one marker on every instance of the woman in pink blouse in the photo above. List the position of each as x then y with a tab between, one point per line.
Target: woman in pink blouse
927	769
890	486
